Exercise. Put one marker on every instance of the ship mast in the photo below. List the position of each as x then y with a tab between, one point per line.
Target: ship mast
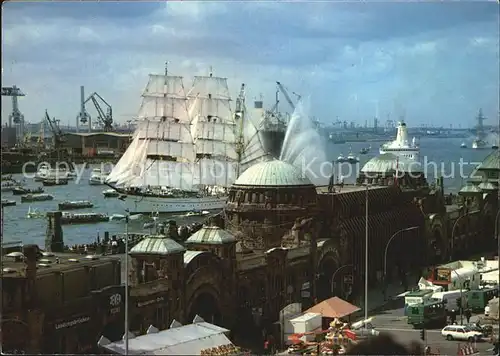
240	115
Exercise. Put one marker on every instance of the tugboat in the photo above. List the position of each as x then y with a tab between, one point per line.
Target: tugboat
78	204
24	191
463	145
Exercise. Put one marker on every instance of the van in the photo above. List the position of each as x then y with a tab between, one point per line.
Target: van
450	298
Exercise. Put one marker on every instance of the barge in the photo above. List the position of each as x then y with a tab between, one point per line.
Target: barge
24	191
55	181
6	202
83	218
35	197
77	204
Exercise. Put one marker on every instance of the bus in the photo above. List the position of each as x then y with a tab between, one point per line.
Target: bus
426	314
479	298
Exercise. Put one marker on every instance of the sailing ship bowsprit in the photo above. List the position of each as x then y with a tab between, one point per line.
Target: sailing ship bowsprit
187	148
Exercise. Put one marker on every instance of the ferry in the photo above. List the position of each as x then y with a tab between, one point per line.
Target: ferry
401	146
83	218
36	197
77	204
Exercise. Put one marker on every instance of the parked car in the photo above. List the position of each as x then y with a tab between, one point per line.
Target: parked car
461	332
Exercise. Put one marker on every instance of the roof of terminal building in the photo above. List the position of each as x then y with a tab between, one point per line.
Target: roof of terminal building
157	245
389	162
211	235
273	173
13	264
492	161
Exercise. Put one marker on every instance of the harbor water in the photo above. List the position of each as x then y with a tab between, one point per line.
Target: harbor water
445	153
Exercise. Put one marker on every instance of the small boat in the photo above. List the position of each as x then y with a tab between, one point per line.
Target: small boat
364	150
494	147
83	218
97	177
117	217
9	184
24	191
34	214
6	202
46	172
55	181
463	145
110	193
77	204
197	213
35	197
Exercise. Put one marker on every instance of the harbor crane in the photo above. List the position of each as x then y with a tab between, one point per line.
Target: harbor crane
57	134
287	96
15	116
106	118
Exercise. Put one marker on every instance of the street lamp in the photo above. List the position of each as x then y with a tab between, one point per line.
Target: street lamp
126	282
335	273
461	296
366	252
389	242
453	234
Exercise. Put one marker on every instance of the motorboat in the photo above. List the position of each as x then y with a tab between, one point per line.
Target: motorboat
36	197
6	202
197	213
24	191
46	172
463	145
77	204
97	177
117	217
401	146
494	147
110	193
9	183
341	159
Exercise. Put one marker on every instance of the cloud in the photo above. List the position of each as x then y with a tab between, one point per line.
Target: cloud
405	56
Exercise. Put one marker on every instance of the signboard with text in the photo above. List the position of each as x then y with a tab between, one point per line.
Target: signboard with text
441	276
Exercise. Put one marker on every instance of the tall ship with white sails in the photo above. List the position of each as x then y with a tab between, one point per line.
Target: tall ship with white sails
187	148
401	146
479	142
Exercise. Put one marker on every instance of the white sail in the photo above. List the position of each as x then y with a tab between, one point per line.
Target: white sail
162	152
214	131
253	148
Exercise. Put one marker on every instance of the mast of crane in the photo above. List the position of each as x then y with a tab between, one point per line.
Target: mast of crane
16	115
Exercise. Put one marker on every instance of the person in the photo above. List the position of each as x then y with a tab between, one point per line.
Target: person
468	315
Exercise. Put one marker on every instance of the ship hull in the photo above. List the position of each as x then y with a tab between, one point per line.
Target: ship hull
148	204
272	141
409	153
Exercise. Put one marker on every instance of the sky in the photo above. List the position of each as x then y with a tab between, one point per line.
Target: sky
435	63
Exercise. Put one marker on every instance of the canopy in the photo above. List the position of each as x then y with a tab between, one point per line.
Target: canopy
334	308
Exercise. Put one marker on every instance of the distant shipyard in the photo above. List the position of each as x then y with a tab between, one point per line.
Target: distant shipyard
270	261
